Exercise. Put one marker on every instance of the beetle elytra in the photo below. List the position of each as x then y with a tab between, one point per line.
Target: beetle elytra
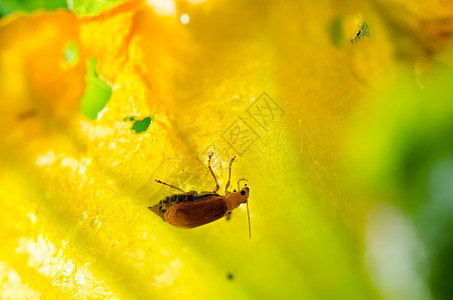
190	209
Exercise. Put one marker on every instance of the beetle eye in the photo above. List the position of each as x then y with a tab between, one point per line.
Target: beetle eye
243	193
234	191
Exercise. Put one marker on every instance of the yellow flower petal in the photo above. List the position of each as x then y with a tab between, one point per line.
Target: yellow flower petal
35	74
269	83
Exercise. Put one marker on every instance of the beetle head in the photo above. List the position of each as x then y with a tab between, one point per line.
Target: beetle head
237	198
244	194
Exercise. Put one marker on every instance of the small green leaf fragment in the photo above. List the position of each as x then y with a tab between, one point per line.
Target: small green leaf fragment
97	92
364	31
142	125
336	31
91	7
10	6
71	53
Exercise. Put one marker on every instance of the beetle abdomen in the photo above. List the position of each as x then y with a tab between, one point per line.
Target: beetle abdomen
196	213
161	208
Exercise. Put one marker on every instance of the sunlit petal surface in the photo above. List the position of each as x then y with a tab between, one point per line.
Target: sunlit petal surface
338	114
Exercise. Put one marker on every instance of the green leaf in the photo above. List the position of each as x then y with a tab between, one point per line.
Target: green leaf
91	7
142	125
72	53
97	93
10	6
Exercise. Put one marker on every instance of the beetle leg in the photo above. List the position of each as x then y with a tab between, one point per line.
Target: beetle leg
172	186
228	216
229	176
217	187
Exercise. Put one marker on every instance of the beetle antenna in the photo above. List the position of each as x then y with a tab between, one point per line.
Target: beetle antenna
248	216
239	181
246	203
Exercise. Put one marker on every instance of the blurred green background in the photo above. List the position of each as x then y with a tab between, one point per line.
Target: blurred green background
81	7
10	6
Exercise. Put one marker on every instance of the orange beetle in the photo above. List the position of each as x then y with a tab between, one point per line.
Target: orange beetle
190	209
